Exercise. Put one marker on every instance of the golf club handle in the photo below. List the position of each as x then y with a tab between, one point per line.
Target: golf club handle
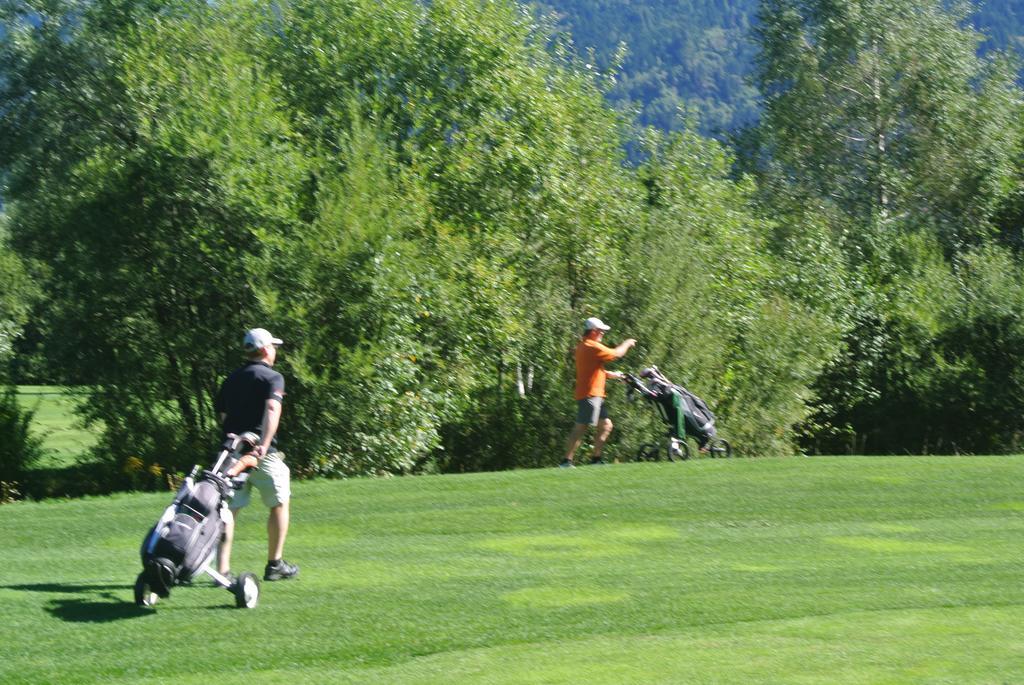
638	385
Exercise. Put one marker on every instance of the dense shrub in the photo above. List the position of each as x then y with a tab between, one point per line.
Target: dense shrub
20	448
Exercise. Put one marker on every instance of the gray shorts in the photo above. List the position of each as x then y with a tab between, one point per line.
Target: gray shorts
272	478
590	410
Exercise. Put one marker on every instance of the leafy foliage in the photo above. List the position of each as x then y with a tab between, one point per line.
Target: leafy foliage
712	301
19	294
883	109
425	199
21	447
882	119
141	193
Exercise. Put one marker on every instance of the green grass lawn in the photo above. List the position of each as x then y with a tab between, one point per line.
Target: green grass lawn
64	440
818	570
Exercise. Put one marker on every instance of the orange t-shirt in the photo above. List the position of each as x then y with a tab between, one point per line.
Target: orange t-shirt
590	374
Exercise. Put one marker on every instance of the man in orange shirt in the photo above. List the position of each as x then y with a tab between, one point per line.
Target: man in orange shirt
591	357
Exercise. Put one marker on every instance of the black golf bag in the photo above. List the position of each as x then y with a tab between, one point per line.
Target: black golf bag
187	535
184	540
684	412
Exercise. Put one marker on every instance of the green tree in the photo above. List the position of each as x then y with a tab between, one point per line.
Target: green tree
881	120
491	210
885	110
716	307
423	199
19	293
978	392
20	447
141	180
209	142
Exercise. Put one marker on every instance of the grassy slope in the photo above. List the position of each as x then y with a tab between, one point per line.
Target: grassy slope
54	419
824	570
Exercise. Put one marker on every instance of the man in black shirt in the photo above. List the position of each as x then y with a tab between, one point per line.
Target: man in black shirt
250	399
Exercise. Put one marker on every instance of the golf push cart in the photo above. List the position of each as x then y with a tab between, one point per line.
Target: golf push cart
183	543
685	414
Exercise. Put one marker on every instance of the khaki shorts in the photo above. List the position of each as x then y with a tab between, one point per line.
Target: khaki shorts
272	478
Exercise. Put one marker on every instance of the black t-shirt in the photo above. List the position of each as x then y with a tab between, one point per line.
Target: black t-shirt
243	397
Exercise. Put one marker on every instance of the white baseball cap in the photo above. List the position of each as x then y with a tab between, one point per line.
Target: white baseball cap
595	323
258	338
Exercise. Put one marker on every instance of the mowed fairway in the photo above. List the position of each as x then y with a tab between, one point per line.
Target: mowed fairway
816	570
64	440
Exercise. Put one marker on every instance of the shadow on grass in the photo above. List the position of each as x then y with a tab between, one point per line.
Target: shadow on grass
64	588
222	607
107	607
85	611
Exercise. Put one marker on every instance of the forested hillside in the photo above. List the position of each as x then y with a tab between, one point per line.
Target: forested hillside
693	54
1003	22
698	55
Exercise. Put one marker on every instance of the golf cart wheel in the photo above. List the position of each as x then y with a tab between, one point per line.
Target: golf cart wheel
144	595
720	448
678	451
648	452
246	590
